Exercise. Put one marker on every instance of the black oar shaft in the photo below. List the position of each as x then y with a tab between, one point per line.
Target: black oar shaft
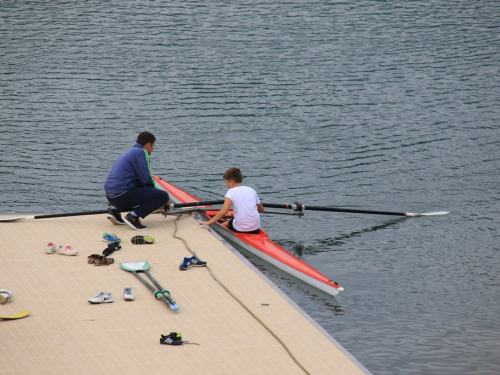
316	208
180	205
195	204
300	207
48	216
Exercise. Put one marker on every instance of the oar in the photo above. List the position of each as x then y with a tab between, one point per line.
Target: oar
55	215
300	207
48	216
160	293
204	209
195	204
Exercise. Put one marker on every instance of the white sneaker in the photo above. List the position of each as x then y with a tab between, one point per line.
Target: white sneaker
50	248
66	250
5	296
102	298
127	294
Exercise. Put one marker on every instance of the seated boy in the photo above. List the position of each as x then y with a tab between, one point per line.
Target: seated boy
245	202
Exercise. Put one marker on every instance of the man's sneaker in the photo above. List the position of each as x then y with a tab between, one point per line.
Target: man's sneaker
127	294
115	217
140	240
5	296
195	262
185	264
102	298
110	237
134	222
66	250
50	248
191	262
173	338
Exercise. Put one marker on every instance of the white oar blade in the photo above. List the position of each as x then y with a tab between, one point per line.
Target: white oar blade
16	218
428	213
135	266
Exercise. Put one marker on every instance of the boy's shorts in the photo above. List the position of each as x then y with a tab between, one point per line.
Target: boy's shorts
230	226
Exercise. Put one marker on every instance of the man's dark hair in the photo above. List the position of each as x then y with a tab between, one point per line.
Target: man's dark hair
233	174
145	137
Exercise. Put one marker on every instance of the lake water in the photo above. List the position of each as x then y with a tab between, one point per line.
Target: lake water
390	106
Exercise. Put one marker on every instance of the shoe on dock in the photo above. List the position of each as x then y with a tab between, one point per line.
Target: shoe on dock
50	248
187	263
112	247
195	262
127	294
173	338
5	296
66	250
110	237
140	240
102	298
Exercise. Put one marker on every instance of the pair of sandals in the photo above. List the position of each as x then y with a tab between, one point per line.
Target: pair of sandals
99	260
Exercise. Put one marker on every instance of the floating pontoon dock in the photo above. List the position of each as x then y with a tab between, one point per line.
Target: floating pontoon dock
235	320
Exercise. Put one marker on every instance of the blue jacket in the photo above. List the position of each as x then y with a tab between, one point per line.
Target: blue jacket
129	171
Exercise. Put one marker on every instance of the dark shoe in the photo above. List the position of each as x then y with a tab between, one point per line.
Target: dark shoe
112	247
141	240
185	264
115	217
173	338
195	262
134	222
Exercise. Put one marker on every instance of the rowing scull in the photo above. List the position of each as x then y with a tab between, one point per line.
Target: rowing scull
260	245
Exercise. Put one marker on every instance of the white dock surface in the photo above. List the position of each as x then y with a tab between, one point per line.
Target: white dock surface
242	324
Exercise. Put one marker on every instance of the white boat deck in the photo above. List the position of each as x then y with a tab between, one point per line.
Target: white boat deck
243	325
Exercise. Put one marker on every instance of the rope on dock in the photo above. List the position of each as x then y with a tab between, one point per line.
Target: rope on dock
239	301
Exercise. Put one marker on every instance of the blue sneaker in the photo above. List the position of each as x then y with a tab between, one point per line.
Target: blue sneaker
110	237
195	262
185	264
191	262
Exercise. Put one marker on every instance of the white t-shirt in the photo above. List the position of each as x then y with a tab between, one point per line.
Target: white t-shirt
245	201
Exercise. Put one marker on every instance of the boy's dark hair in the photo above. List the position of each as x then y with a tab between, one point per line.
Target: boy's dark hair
233	174
145	137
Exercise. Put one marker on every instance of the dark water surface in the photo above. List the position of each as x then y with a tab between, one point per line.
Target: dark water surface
388	106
